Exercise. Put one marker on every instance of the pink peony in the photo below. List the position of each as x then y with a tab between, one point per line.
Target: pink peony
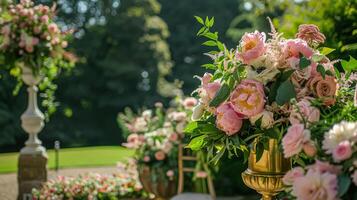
311	34
228	120
315	185
248	98
305	110
293	142
294	173
354	177
189	102
325	167
208	89
293	48
170	173
343	151
160	155
252	47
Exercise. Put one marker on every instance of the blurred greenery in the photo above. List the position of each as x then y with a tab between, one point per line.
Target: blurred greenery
74	157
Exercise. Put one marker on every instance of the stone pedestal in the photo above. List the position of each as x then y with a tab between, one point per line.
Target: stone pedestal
32	173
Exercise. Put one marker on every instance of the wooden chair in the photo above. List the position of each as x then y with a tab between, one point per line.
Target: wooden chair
182	158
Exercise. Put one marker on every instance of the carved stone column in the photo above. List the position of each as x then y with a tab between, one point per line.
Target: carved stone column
32	164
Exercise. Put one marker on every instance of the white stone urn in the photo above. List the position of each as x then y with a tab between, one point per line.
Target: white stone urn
32	120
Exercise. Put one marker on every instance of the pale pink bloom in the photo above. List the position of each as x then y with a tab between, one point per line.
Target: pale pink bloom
267	119
252	47
53	28
291	175
310	149
311	34
208	89
146	159
295	139
173	137
304	111
170	173
160	155
324	88
315	185
189	102
177	116
201	174
295	47
44	19
5	30
343	151
339	133
325	167
354	177
248	98
228	120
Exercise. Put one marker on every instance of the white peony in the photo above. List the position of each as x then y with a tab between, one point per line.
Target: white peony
339	133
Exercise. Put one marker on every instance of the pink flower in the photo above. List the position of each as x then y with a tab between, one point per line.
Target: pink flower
160	155
173	137
315	185
295	139
311	34
252	47
309	149
324	88
53	28
177	116
146	159
309	113
189	102
342	152
201	174
248	98
5	30
228	120
325	167
170	173
290	177
354	177
44	19
293	48
208	89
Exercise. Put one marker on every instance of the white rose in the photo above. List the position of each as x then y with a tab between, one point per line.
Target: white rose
147	114
267	119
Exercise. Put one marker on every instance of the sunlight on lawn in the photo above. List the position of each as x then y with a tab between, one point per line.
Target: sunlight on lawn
73	157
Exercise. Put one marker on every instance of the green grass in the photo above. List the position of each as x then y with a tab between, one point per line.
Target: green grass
73	157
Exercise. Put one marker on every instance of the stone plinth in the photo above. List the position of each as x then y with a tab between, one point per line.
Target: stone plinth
32	173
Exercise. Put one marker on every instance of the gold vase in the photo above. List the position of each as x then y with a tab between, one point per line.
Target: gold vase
265	176
155	181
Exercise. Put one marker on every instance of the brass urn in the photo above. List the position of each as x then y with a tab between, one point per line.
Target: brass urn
265	176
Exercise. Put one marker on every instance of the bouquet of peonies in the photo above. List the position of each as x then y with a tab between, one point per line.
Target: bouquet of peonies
270	88
155	134
30	38
122	185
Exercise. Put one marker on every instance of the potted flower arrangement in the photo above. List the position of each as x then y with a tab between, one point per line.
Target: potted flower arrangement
255	97
124	184
32	47
155	135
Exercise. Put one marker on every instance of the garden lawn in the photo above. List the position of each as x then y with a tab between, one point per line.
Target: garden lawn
73	157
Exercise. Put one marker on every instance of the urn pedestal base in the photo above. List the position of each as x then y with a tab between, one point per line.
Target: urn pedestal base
32	173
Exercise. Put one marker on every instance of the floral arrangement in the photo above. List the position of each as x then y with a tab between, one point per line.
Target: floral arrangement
30	38
123	185
155	134
269	88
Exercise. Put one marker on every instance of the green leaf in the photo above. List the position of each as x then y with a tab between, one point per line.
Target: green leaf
210	43
285	92
344	183
329	72
211	22
325	50
213	36
286	75
337	72
221	96
350	65
317	57
199	20
220	46
210	66
259	150
321	70
197	143
207	22
191	127
304	62
201	31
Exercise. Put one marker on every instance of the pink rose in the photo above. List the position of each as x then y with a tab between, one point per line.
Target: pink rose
44	19
309	113
248	98
170	173
309	149
294	173
295	139
228	120
325	167
146	159
173	137
343	151
160	155
252	47
311	34
354	177
53	28
315	185
189	102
